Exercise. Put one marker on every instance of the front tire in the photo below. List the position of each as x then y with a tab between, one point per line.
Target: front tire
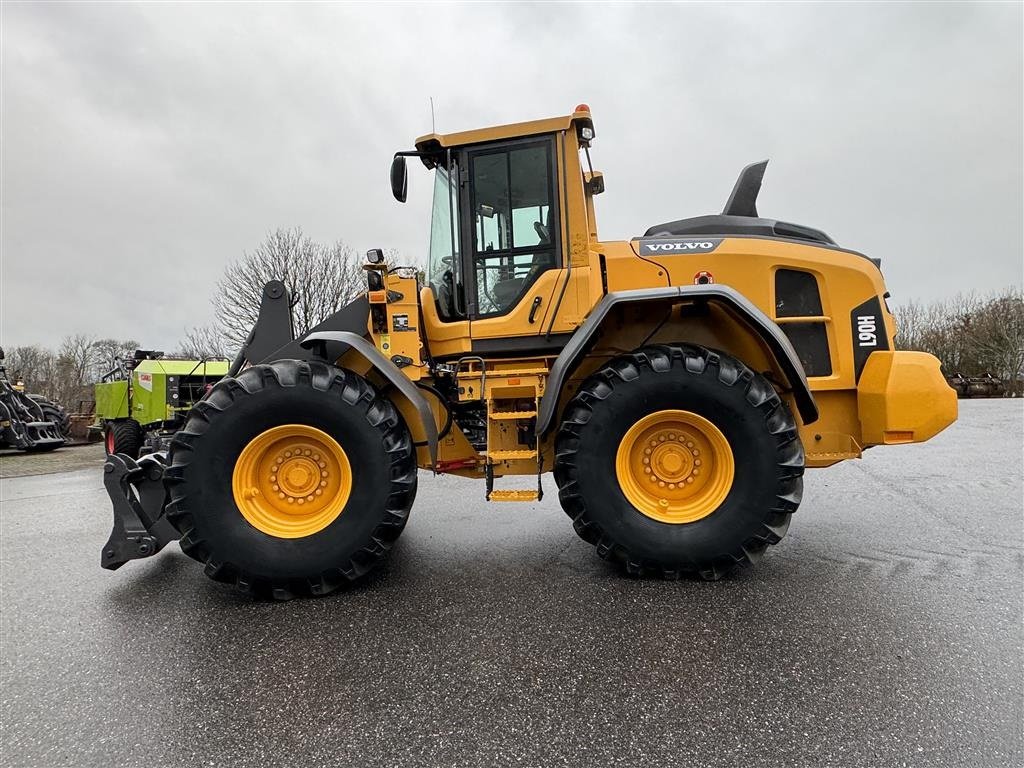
678	459
293	478
123	436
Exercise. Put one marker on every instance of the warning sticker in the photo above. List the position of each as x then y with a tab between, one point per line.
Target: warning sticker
146	381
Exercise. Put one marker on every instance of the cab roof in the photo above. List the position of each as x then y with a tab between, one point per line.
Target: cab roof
435	142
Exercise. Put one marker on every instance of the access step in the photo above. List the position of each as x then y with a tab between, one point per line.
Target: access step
510	495
512	455
498	416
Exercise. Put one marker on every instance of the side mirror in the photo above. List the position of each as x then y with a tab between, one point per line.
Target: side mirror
399	178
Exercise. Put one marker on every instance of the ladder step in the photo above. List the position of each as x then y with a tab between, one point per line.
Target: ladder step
506	495
512	455
512	415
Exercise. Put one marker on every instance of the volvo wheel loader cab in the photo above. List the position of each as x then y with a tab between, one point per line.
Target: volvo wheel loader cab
677	384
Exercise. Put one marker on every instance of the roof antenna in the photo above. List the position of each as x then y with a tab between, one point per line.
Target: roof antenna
433	128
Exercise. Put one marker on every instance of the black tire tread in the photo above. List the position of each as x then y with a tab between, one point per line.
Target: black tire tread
54	412
127	437
696	360
355	391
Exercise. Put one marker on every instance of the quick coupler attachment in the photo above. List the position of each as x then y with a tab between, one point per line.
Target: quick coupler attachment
138	495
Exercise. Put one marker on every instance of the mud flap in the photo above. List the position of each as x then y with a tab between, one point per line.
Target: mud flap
137	493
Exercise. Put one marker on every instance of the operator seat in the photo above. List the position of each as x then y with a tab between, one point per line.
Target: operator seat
506	292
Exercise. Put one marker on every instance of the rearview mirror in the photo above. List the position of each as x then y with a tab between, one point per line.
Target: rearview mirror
399	178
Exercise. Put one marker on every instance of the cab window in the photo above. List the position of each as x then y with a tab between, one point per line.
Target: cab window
514	227
443	260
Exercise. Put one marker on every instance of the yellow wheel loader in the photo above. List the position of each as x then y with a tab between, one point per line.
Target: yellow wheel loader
676	384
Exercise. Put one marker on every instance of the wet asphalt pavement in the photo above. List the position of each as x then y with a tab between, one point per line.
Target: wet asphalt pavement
885	630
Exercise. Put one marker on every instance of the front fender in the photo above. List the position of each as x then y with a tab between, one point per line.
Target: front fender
388	370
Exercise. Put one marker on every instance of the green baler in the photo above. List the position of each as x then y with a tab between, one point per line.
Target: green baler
144	399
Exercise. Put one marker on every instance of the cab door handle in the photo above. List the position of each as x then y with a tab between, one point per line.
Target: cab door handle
534	308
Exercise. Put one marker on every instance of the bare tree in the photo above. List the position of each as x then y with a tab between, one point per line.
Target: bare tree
34	365
106	352
969	334
997	335
320	280
74	368
202	342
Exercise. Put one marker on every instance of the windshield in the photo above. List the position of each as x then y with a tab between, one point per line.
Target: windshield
443	260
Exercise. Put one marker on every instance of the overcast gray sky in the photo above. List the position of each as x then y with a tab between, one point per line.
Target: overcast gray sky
145	146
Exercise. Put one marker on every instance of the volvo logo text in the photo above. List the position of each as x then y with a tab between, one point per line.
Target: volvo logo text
679	246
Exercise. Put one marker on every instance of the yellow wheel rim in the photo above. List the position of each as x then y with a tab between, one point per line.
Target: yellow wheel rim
675	466
292	481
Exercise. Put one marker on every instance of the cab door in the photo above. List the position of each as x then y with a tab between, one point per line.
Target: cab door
510	225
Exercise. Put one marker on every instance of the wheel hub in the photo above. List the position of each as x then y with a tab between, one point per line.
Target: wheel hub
300	477
675	466
292	481
671	461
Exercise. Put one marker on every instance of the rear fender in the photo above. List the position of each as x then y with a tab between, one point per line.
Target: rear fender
767	331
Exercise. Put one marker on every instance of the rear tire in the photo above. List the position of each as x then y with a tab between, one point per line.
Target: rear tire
123	436
765	456
281	558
